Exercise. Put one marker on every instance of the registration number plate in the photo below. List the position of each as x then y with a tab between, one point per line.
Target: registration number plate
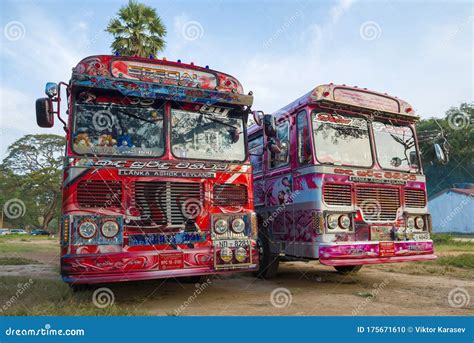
386	249
231	243
171	261
421	236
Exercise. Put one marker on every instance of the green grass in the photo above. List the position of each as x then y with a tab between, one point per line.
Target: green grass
53	298
465	261
27	238
445	242
22	247
16	261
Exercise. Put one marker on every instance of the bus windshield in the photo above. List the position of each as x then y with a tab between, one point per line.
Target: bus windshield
207	136
395	146
341	140
110	129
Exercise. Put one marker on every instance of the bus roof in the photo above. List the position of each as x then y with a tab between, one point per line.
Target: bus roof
136	76
345	97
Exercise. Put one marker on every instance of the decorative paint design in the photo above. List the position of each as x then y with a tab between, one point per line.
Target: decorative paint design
278	191
163	74
373	250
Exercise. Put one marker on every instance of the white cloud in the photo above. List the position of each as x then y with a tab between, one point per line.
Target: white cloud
338	10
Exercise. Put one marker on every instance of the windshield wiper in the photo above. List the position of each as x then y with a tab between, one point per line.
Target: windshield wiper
208	116
130	114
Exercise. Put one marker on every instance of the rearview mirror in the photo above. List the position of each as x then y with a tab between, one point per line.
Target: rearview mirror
269	125
441	155
413	159
51	89
44	112
257	117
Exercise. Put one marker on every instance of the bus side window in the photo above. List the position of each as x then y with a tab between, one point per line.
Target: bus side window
304	139
283	138
256	153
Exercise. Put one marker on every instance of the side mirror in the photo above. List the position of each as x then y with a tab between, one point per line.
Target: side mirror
257	117
51	89
273	147
269	125
440	154
413	158
44	112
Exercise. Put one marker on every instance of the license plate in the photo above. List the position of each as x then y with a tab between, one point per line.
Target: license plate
386	249
421	236
171	261
231	243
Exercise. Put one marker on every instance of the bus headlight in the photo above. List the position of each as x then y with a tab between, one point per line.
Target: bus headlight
419	223
110	229
226	254
87	229
238	225
410	223
345	221
241	254
221	226
333	221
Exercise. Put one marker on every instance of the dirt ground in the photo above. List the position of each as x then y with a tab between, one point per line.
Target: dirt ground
299	289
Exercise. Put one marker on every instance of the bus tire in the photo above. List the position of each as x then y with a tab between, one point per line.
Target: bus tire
268	262
77	288
344	270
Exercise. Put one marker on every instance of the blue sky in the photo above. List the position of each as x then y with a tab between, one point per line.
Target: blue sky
420	51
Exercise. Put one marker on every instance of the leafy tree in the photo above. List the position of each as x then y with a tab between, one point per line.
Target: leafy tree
137	30
458	126
32	173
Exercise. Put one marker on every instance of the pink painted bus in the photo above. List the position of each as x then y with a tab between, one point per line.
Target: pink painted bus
337	178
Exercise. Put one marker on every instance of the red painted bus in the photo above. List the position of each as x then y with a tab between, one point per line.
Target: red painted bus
157	180
337	178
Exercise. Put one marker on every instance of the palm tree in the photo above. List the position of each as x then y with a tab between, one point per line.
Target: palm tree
137	31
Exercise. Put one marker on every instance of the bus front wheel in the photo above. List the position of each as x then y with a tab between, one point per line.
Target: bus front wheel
268	261
344	270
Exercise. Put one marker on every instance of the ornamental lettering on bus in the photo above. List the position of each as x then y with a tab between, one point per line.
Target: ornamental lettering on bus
376	174
161	165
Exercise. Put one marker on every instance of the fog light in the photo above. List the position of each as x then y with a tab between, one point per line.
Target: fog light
87	229
110	229
241	254
226	254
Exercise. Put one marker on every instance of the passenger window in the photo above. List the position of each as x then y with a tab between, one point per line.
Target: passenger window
283	141
256	153
304	139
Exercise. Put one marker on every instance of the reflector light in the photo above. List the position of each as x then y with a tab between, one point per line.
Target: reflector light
179	61
325	94
408	110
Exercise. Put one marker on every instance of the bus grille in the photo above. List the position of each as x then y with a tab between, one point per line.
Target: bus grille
378	204
99	193
415	198
168	203
337	194
230	195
